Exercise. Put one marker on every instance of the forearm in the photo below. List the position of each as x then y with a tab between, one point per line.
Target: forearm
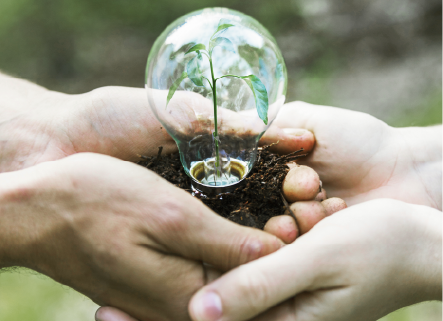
423	147
427	261
17	96
18	232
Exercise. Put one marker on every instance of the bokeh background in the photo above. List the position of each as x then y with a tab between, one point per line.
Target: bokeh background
383	57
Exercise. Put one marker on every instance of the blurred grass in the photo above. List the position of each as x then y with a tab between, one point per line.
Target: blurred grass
429	113
28	296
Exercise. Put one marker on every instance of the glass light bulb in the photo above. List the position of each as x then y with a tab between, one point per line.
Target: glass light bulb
216	80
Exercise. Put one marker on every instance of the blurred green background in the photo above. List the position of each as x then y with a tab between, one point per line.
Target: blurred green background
383	57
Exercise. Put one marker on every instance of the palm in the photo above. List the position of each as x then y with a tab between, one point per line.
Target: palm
357	156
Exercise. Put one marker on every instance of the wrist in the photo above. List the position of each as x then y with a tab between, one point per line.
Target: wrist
34	133
421	157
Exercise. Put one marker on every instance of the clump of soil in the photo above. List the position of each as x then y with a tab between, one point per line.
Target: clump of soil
253	203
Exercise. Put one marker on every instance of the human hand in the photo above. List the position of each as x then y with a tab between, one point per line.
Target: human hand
40	125
358	264
360	158
119	234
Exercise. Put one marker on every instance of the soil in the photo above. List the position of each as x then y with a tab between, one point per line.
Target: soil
253	203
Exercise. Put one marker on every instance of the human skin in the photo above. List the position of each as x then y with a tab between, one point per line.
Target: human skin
38	125
358	264
347	258
119	234
360	158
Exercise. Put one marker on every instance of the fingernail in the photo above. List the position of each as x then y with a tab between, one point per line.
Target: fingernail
295	131
207	307
98	315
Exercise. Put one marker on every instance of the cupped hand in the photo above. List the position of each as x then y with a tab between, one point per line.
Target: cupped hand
360	158
120	234
358	264
115	121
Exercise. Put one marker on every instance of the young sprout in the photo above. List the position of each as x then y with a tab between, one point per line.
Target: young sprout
194	73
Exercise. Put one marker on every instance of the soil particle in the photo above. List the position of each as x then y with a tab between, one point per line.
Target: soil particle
252	204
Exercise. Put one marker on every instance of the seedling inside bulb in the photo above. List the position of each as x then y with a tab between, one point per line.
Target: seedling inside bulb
194	73
216	80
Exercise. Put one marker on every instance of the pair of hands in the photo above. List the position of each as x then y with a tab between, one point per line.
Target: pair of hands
119	259
339	270
110	229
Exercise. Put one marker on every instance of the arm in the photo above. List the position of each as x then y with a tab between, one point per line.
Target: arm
38	125
369	260
16	95
92	222
15	239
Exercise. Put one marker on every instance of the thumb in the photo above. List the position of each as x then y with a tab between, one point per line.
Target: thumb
255	287
112	314
289	139
196	232
206	236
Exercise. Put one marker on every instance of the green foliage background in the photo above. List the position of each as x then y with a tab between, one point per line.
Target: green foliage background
377	56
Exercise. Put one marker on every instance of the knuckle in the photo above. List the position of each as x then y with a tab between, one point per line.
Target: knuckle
253	247
174	219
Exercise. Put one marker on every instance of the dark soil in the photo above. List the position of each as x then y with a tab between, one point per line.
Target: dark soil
253	203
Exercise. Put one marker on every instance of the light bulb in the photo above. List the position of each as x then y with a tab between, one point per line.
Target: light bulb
216	80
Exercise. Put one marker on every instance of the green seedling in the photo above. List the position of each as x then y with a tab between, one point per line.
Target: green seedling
194	73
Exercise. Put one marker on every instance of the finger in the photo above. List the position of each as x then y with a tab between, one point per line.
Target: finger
282	226
333	205
225	244
301	183
190	229
308	214
299	114
253	288
112	314
119	122
289	139
320	197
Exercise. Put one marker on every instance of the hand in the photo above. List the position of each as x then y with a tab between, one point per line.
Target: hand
119	234
360	158
39	125
358	264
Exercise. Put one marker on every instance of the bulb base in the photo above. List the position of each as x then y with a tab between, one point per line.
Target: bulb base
205	181
207	190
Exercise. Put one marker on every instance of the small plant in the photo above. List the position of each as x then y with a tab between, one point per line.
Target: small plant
193	72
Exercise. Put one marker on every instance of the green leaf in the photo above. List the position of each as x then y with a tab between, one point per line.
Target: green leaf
222	25
175	86
222	42
196	47
260	95
194	71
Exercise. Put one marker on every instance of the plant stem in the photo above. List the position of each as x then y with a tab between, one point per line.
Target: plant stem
214	92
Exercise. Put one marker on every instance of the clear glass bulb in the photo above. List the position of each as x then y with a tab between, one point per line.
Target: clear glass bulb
216	80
